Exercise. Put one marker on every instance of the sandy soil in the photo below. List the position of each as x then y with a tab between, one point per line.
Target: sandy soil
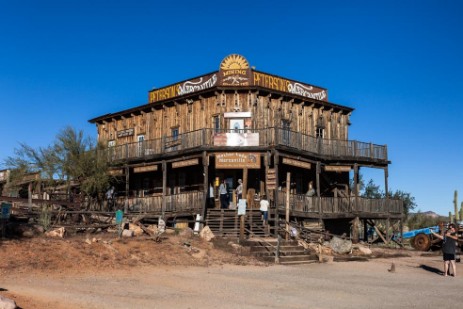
183	272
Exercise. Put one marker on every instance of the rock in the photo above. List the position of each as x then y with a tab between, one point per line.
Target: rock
341	246
88	241
6	303
56	233
28	234
327	259
38	229
206	234
137	231
361	250
186	232
127	233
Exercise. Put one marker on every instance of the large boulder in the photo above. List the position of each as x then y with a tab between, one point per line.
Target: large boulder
6	303
341	246
56	232
137	231
206	234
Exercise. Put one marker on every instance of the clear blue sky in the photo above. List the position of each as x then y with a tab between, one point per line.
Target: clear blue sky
398	63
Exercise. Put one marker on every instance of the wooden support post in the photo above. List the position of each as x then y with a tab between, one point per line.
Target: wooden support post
277	183
245	194
288	188
164	189
356	186
205	184
365	231
127	187
388	234
319	201
355	230
29	196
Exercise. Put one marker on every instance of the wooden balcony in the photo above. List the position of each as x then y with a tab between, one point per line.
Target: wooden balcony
209	139
299	205
339	207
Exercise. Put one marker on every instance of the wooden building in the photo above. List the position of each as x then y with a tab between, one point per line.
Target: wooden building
274	133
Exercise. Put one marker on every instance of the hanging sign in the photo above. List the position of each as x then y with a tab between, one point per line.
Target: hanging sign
233	160
337	168
143	169
297	163
185	163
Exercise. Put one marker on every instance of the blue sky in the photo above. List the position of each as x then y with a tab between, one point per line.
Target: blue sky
398	63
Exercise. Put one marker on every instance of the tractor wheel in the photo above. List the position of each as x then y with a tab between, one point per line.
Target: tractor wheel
421	242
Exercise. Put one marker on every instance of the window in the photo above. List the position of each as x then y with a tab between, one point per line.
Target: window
140	139
216	124
175	134
236	125
174	138
320	128
286	131
111	150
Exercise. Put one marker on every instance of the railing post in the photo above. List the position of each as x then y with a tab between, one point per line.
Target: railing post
277	250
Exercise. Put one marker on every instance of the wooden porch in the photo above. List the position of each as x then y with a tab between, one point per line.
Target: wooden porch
206	139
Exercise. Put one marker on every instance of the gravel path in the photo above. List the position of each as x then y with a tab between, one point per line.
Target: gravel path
416	283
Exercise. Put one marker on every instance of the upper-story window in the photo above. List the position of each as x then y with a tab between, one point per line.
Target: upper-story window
320	128
140	139
216	124
286	131
175	133
236	125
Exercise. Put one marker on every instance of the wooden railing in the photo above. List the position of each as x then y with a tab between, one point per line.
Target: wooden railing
204	139
300	203
186	201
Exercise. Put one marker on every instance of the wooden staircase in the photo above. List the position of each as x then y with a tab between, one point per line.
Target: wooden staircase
290	252
226	223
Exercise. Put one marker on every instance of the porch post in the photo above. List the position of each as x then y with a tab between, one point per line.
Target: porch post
205	184
288	188
356	185
276	159
127	187
319	200
164	189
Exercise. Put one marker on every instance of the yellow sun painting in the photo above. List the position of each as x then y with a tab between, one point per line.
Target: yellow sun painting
234	62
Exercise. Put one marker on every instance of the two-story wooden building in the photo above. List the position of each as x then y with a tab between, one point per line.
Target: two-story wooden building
274	133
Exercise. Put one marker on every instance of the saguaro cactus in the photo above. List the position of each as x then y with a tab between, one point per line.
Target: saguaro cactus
461	211
455	205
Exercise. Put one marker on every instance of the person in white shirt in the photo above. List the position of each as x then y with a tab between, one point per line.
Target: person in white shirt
223	192
239	190
264	208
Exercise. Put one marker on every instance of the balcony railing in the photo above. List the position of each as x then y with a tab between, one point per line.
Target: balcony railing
210	139
301	203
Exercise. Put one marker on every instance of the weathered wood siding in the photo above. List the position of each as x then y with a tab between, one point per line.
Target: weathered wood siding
197	113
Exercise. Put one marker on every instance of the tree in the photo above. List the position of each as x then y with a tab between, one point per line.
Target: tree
72	159
407	198
372	190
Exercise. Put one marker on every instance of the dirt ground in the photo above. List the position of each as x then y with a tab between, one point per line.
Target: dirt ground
103	271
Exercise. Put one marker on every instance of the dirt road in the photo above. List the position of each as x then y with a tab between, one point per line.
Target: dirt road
416	283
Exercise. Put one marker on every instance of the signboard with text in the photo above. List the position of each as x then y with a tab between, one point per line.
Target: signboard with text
232	160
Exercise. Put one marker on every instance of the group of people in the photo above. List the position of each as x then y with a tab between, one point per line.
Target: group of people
225	198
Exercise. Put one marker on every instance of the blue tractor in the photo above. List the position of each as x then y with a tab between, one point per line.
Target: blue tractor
423	239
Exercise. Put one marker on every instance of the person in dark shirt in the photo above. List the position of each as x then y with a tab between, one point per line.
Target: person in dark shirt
449	247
